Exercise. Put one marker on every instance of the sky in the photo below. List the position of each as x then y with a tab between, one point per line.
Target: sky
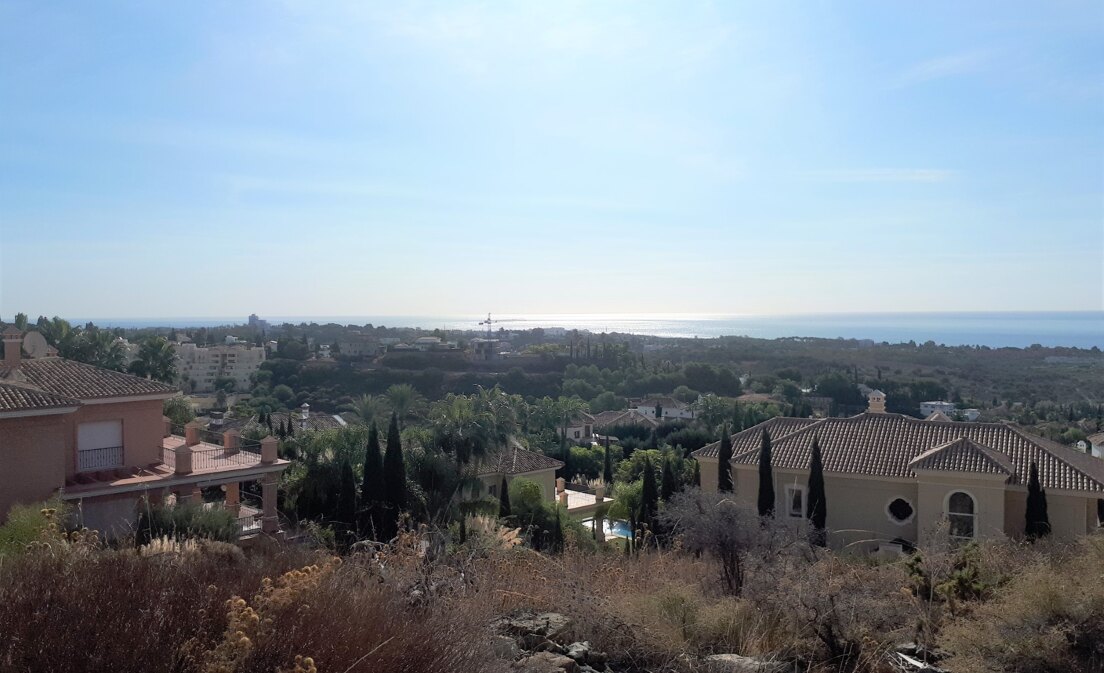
332	159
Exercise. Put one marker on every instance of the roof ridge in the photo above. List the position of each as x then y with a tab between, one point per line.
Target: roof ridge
1037	441
815	423
984	450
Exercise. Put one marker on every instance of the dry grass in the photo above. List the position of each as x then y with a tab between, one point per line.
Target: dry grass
209	608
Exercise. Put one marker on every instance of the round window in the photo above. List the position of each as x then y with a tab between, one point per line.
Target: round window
900	510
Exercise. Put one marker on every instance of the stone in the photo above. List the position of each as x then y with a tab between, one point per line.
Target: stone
504	647
735	663
547	624
579	651
547	662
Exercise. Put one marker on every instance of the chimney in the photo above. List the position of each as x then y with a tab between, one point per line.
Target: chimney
876	402
13	347
304	414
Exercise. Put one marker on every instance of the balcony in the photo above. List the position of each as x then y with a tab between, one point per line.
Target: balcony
102	458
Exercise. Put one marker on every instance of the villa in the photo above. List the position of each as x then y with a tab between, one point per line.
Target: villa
97	439
890	480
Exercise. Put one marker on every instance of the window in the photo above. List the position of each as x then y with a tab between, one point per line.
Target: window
961	512
795	501
493	490
899	511
576	434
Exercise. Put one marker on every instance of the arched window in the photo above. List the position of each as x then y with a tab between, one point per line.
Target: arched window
961	512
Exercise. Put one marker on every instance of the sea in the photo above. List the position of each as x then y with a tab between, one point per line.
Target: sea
1081	329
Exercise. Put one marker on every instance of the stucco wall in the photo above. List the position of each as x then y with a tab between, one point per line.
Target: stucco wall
989	498
32	459
546	479
1068	514
708	474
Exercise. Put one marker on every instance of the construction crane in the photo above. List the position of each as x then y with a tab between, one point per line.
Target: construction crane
488	322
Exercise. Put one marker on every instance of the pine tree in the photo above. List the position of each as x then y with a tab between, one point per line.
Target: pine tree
346	514
649	495
669	484
724	463
504	499
697	474
766	478
607	464
818	505
371	486
1038	523
394	479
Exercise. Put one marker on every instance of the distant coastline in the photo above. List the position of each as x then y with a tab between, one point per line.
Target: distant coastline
1079	329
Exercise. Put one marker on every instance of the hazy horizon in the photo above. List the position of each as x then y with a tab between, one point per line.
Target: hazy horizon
571	158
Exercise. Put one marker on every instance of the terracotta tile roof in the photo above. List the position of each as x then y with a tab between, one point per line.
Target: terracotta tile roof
631	417
80	381
779	427
1096	439
886	444
22	398
663	401
938	416
963	455
517	460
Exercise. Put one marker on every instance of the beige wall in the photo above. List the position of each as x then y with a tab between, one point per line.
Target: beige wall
32	459
857	507
546	479
989	495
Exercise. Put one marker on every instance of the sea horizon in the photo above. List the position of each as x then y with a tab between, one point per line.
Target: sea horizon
996	329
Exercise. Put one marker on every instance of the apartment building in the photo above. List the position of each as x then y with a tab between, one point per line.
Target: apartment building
200	367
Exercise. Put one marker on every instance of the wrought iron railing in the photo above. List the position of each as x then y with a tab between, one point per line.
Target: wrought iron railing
103	458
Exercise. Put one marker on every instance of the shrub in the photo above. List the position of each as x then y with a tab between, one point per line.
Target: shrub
185	521
27	524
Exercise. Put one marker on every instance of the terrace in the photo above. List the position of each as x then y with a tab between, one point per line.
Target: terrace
193	460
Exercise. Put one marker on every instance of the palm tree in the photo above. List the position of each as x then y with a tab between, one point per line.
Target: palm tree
404	399
464	429
367	408
156	360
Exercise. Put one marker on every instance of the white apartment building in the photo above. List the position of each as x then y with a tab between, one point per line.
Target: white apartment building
199	367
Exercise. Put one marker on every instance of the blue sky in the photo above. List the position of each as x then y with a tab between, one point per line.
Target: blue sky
303	158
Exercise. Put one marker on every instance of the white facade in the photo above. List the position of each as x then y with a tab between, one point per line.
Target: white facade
203	366
670	408
949	410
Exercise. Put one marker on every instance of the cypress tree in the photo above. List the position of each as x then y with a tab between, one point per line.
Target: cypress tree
668	485
371	486
557	534
653	440
504	499
818	506
290	427
607	465
346	514
697	474
649	495
1038	523
766	478
394	478
724	463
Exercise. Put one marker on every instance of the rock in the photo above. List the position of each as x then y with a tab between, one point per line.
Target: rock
735	663
579	651
922	652
547	624
504	647
547	662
